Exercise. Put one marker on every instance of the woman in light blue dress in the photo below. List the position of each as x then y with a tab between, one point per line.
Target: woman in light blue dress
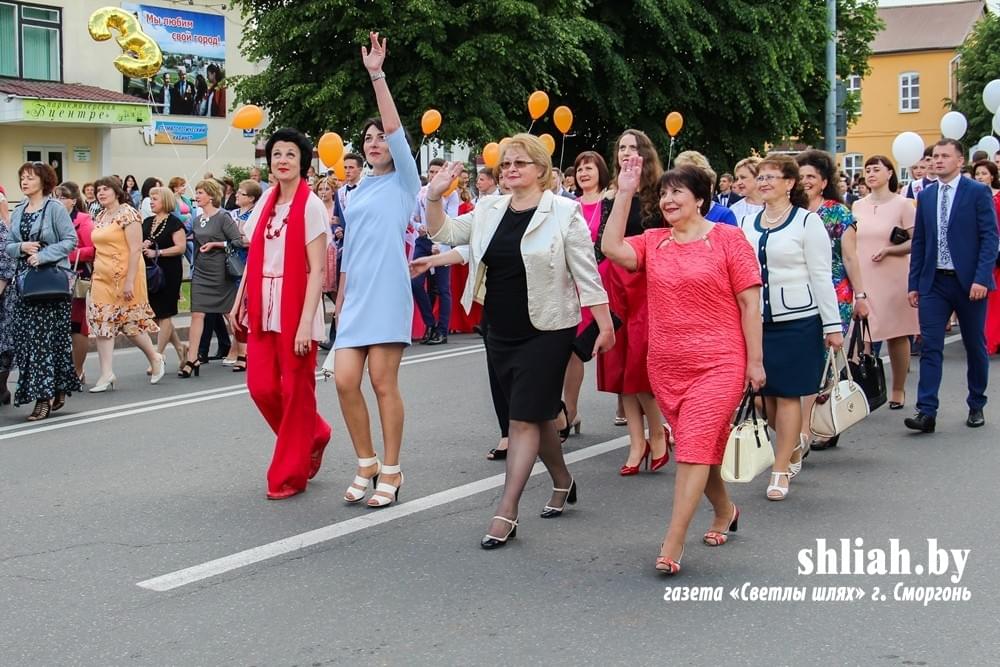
375	302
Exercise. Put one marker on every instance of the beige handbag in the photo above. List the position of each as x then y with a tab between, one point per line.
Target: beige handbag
841	402
81	286
748	451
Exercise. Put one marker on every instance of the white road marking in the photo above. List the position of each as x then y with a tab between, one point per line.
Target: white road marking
370	519
163	403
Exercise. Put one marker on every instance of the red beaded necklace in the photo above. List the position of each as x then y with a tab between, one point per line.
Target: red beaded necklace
270	232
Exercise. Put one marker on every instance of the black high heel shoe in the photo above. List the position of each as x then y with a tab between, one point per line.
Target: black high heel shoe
549	512
574	426
492	542
241	365
59	400
190	368
43	408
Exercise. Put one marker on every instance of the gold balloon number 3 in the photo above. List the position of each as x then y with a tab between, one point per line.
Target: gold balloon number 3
141	56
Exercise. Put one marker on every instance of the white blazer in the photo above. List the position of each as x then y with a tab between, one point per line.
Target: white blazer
558	258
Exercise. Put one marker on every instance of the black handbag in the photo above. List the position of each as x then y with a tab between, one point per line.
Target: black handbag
234	263
866	368
583	345
46	282
154	276
898	236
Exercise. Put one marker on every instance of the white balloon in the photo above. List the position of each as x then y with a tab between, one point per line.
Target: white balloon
991	95
996	122
907	148
954	125
989	144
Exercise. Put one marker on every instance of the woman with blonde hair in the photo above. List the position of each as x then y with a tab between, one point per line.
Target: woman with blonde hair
532	266
746	187
164	243
118	300
212	289
623	371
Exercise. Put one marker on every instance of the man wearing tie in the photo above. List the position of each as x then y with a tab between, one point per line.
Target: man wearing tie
183	94
951	270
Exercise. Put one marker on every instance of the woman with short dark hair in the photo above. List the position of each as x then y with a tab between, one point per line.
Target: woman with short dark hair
131	187
144	206
118	300
696	271
280	306
41	233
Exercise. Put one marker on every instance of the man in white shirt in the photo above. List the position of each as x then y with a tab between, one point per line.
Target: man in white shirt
436	282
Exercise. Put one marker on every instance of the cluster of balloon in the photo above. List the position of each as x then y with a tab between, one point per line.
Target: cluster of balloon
991	98
141	57
674	123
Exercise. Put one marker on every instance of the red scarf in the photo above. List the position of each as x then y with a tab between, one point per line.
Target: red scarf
296	267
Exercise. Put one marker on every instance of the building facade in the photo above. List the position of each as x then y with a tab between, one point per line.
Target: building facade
63	102
912	77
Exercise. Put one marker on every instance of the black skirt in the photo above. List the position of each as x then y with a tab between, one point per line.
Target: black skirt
530	371
794	355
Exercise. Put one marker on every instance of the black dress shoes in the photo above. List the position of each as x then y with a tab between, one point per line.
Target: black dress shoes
437	339
975	419
921	422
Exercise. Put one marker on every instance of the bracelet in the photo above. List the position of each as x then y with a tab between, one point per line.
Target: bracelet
377	75
430	199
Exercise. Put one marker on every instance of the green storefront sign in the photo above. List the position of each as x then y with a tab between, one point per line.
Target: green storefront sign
97	113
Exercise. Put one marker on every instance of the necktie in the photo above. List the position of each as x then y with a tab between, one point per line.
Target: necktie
944	254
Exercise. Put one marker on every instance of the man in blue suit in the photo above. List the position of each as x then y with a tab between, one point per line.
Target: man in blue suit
954	250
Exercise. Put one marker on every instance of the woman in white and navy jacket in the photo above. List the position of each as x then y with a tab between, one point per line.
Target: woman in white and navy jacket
801	318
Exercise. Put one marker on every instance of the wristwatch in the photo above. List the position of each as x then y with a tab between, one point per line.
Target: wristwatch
860	295
377	75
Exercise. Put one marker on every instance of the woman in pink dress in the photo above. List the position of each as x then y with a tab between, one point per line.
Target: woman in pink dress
885	268
593	170
696	272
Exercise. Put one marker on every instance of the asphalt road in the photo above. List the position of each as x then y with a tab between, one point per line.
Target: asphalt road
146	485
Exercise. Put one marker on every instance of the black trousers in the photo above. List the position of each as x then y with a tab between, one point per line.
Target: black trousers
215	323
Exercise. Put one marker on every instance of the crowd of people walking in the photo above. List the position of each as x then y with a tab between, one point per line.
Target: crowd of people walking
692	292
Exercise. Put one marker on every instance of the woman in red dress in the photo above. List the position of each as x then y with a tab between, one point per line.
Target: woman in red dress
695	271
986	172
623	369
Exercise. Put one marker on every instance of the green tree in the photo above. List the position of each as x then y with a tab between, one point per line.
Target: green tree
742	73
979	64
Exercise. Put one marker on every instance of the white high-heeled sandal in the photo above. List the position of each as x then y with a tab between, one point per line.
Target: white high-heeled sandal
358	489
393	490
803	447
773	486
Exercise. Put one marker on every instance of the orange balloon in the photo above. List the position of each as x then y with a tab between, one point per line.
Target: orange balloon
491	154
675	121
430	122
338	169
550	143
451	188
248	117
538	104
563	118
330	148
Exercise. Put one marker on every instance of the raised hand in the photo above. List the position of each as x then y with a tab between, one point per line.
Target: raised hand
442	180
631	174
374	58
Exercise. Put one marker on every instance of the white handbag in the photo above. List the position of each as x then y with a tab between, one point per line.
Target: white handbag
748	451
841	402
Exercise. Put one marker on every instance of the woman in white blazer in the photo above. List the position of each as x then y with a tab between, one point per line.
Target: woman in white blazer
801	316
532	266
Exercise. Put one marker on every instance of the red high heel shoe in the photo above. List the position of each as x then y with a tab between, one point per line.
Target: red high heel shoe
627	470
316	459
283	492
716	538
669	566
656	464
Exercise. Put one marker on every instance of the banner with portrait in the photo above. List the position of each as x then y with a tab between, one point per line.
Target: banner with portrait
192	81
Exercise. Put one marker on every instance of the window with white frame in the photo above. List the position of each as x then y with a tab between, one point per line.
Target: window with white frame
854	89
852	165
909	92
30	41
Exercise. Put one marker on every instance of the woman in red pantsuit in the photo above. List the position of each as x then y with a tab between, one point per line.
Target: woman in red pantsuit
705	337
283	313
987	173
623	369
